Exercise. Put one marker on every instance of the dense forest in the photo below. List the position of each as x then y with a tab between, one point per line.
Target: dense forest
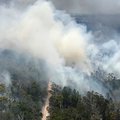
21	101
68	104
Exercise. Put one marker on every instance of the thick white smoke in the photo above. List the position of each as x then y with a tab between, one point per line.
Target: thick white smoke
65	46
36	31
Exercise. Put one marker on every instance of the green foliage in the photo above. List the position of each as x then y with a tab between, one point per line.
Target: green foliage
68	104
24	101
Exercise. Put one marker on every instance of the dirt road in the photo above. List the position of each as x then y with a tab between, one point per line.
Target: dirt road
46	106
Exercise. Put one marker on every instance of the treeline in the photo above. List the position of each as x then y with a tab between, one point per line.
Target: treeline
68	104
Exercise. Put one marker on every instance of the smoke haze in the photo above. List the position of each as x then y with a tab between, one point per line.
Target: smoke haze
88	6
76	6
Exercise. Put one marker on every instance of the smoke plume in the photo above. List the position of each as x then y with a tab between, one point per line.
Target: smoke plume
40	32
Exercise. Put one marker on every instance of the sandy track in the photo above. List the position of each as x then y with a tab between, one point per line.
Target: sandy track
46	106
